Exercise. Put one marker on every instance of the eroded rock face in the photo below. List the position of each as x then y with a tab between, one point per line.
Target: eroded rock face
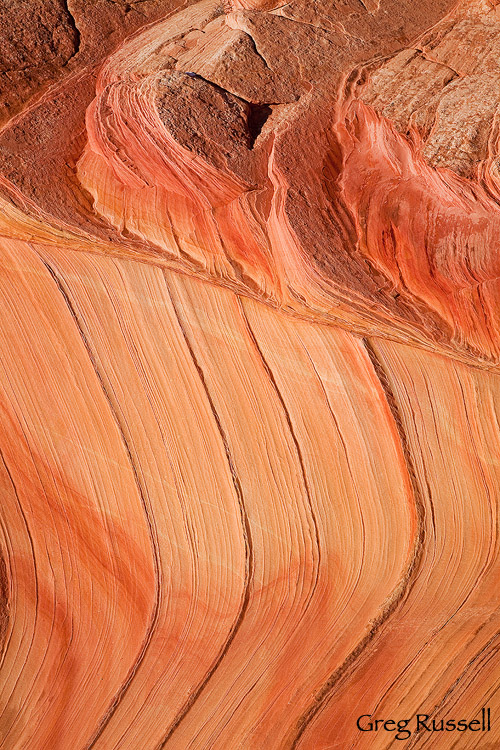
250	372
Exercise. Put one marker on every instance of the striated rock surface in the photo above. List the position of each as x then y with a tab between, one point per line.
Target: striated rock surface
249	373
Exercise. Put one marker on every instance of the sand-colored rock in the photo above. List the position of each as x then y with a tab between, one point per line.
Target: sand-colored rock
249	374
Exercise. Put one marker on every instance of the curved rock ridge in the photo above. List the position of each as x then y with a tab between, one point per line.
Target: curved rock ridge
266	197
228	186
243	205
249	386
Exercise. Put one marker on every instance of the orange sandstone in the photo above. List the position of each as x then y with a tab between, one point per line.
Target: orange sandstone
249	373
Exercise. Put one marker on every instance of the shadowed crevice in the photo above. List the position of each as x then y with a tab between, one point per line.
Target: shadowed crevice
257	118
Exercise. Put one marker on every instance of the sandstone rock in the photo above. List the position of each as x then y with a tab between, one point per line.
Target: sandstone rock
249	373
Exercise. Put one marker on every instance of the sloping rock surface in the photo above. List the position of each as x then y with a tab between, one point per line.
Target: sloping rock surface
249	372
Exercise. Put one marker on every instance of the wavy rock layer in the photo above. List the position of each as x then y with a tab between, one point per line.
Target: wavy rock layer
249	373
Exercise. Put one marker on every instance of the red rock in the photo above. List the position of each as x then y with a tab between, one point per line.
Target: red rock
249	374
